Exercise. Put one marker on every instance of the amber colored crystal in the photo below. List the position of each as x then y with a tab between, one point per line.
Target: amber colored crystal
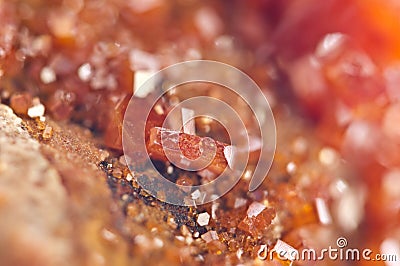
47	133
20	102
186	180
216	247
60	110
113	124
350	92
190	146
256	225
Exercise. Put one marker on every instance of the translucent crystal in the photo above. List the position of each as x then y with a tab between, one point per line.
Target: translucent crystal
20	103
203	219
323	211
255	209
208	22
36	111
284	250
85	72
141	76
210	236
330	44
47	75
47	133
328	156
391	122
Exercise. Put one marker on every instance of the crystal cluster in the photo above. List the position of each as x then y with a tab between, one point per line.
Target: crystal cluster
330	70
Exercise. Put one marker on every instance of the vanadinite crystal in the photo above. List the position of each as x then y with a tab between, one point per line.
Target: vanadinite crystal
330	70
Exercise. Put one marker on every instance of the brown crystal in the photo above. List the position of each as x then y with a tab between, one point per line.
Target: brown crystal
20	102
47	133
189	145
257	225
349	91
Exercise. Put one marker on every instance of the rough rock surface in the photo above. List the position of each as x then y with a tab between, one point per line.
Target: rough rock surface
33	202
55	206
